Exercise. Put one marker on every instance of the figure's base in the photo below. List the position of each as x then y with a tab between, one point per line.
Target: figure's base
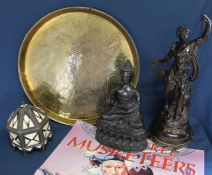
173	136
121	142
163	142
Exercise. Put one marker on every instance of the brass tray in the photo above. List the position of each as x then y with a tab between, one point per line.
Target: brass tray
70	60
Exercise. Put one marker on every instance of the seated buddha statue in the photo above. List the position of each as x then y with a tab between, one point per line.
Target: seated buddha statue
121	127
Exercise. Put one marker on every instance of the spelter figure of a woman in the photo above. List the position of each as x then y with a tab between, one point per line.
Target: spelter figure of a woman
122	127
173	128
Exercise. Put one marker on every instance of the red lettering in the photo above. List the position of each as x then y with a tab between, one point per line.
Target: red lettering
144	155
112	152
178	167
105	149
154	148
176	163
73	142
181	169
131	155
191	169
163	150
166	163
154	160
89	145
117	153
160	149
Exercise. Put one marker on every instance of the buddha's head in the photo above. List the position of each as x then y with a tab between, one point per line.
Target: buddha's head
182	33
127	72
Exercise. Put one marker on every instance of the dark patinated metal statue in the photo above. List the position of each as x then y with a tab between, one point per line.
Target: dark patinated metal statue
172	129
122	127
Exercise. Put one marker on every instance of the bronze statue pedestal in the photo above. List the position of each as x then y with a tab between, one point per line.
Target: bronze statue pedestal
173	135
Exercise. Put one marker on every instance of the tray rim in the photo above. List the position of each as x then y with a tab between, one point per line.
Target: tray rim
29	35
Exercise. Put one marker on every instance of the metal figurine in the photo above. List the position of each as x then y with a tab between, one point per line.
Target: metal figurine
172	129
122	127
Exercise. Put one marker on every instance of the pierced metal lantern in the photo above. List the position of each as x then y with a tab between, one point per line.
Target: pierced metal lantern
29	128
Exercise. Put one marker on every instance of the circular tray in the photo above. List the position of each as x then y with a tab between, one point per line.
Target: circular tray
70	60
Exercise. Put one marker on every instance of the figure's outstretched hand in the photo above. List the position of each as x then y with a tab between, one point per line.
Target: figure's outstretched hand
155	62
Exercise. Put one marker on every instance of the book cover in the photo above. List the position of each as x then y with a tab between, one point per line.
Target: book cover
80	154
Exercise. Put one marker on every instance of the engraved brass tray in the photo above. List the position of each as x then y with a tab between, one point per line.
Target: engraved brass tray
70	60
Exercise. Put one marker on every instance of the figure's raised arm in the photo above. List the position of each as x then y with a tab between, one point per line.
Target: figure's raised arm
206	23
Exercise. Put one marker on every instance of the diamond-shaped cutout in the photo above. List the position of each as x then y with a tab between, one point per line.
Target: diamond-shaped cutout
14	122
46	127
31	139
43	116
27	141
13	135
36	113
39	116
14	138
27	122
46	134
